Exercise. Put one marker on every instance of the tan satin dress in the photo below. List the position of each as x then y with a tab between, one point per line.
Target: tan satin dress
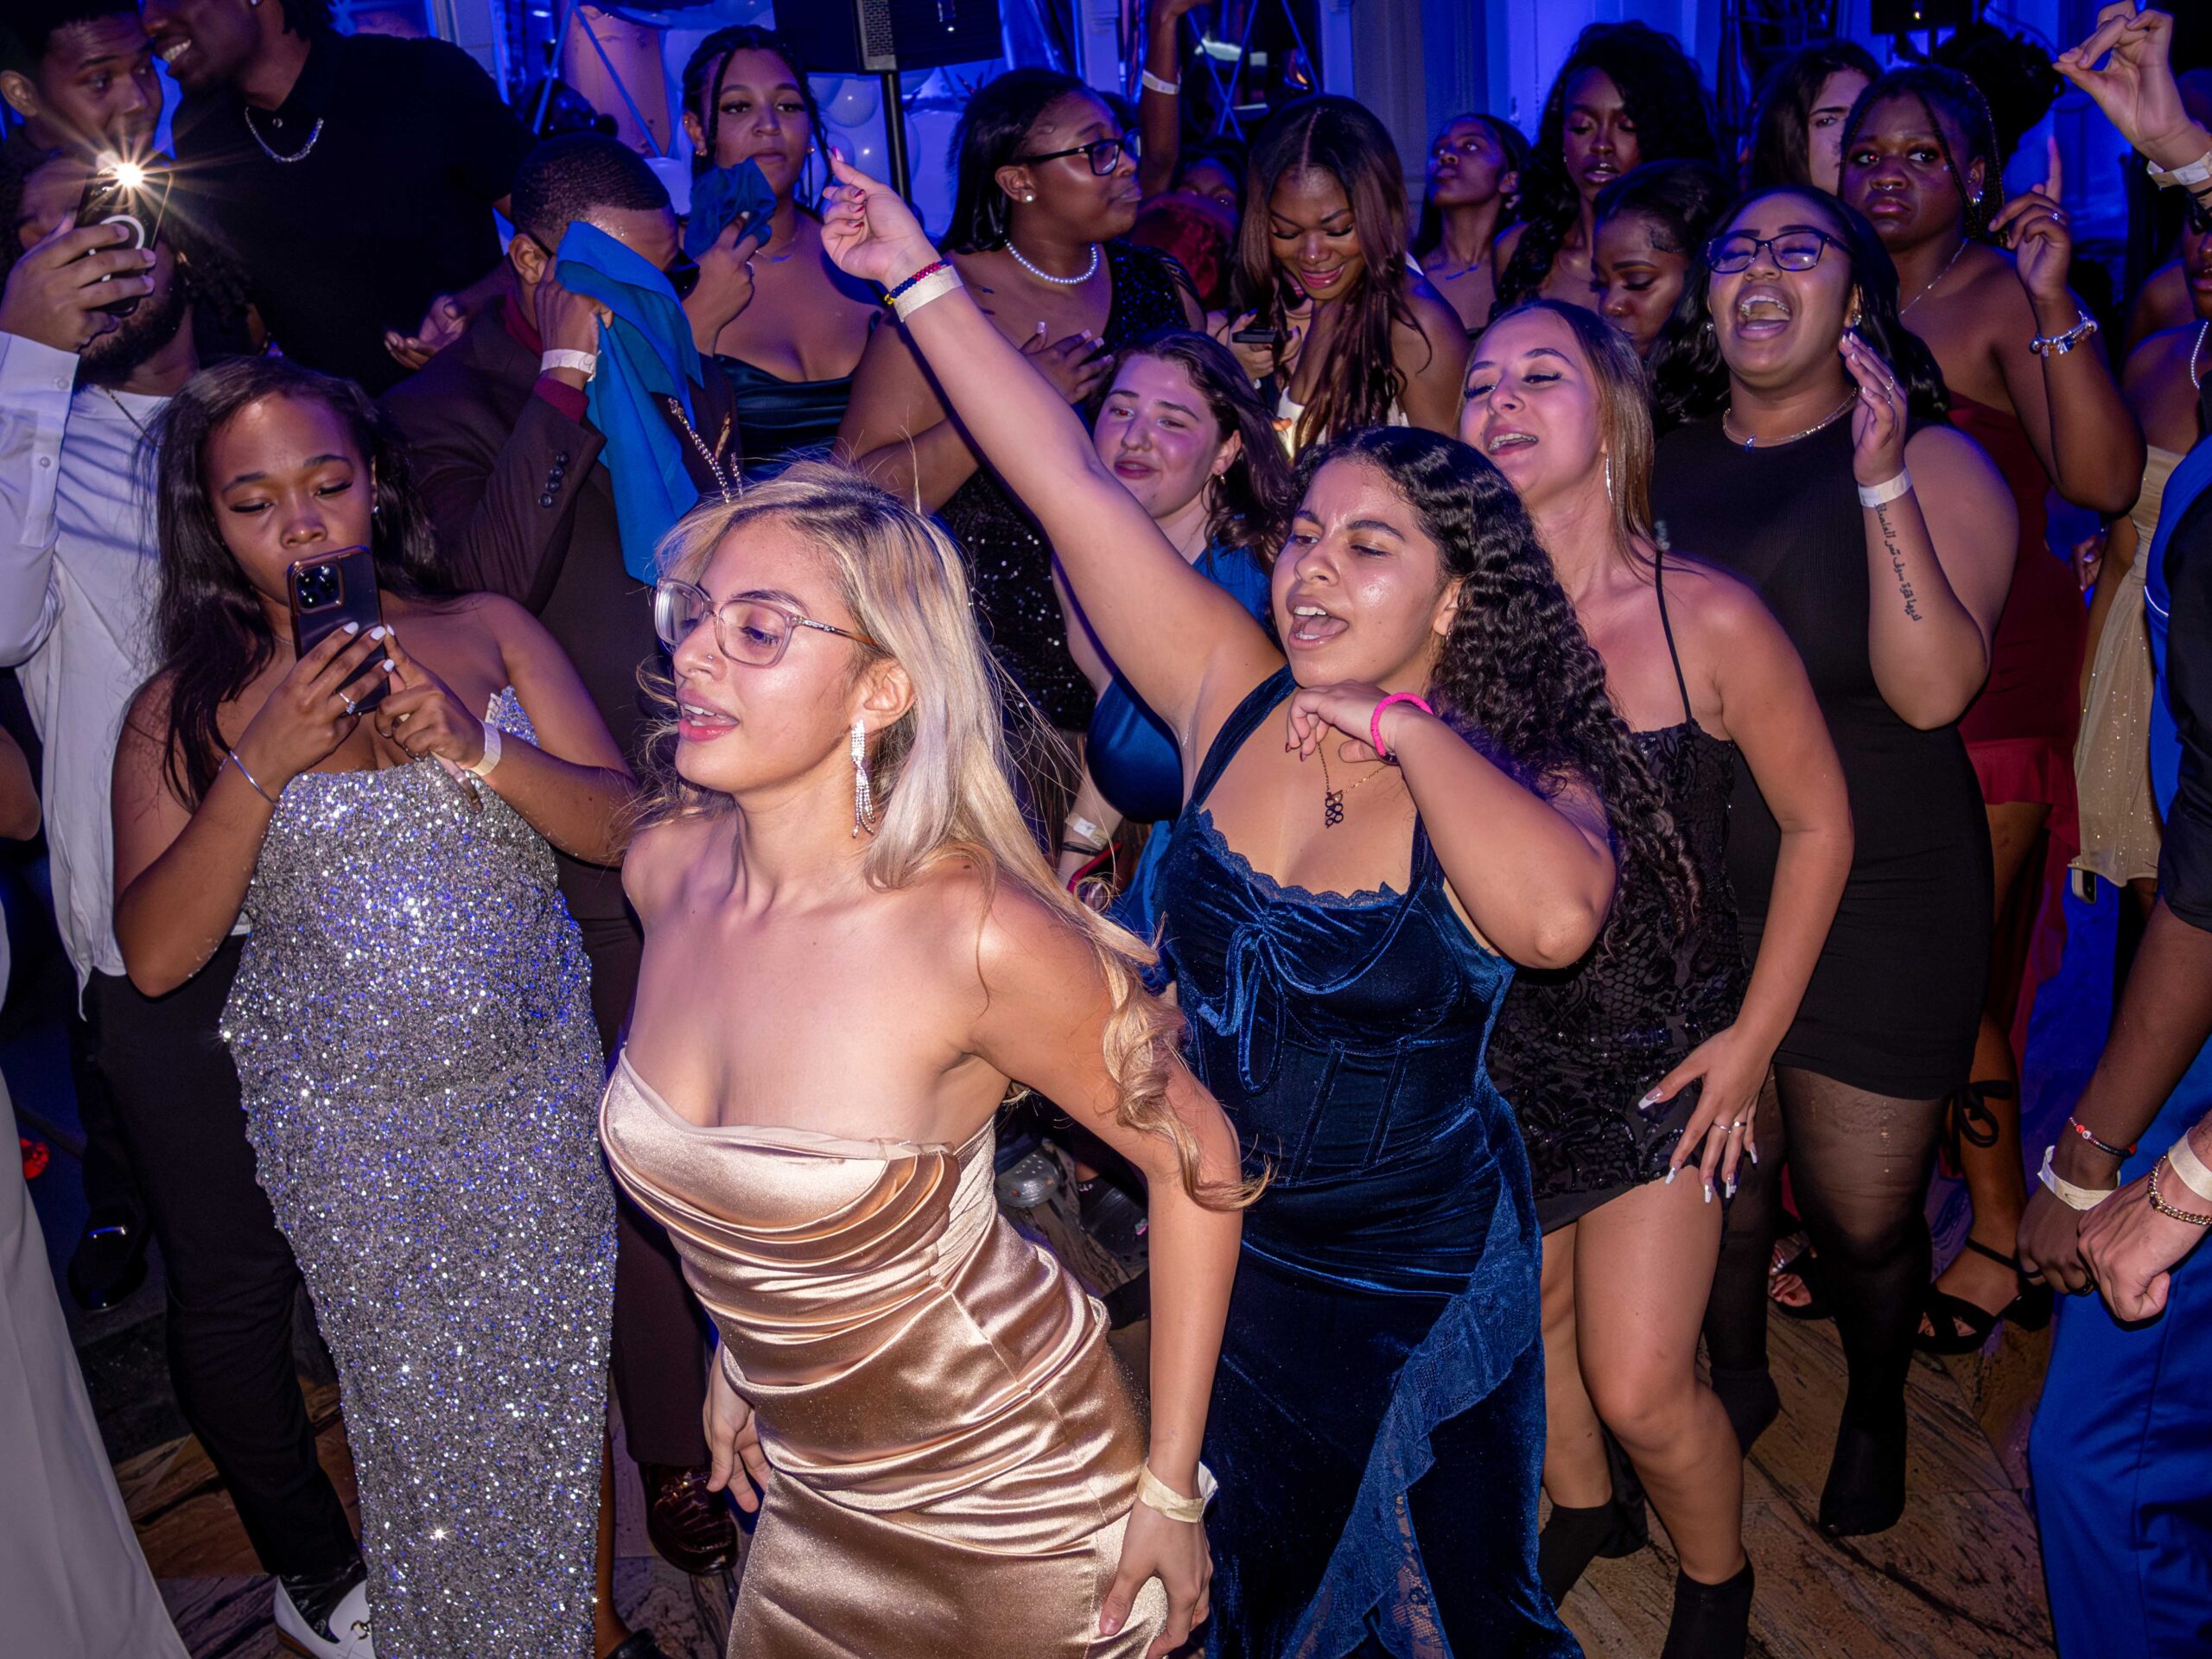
954	1448
2121	833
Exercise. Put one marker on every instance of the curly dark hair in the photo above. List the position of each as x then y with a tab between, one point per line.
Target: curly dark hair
703	79
1781	119
1689	377
1963	109
1673	116
992	129
1428	235
1360	380
209	627
1255	496
1517	676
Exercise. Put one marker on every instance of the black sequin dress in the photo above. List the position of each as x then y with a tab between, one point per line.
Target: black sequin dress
1575	1050
1009	563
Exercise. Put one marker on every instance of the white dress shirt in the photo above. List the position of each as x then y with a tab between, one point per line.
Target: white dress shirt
78	577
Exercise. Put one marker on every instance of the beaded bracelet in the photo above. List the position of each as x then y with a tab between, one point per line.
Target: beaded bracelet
2105	1147
2159	1203
2059	345
932	268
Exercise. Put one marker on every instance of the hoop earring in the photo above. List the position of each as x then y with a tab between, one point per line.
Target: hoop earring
863	792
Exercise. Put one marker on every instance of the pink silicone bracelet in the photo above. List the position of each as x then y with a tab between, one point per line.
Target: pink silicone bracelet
1375	720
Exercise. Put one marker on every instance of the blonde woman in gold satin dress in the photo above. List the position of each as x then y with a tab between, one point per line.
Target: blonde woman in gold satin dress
853	951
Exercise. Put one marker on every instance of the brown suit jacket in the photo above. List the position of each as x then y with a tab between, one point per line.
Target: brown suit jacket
523	506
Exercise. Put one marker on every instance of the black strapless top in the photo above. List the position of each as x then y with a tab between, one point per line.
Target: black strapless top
782	421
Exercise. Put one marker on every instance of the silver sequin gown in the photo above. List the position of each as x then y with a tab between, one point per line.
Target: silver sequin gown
412	1025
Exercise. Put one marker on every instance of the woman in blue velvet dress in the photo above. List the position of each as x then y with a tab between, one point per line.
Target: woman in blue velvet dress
1344	896
1187	434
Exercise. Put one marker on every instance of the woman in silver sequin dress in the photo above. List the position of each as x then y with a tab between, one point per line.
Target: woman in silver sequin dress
411	1019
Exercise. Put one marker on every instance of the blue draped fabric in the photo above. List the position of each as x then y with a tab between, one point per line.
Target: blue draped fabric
645	353
1378	1417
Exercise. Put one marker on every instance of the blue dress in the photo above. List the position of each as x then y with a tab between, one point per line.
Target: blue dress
779	420
1132	752
1377	1421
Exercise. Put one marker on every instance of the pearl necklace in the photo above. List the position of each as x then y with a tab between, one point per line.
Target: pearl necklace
1753	442
1088	272
281	160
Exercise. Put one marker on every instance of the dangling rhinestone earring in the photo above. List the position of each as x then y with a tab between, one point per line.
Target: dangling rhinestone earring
863	793
1609	478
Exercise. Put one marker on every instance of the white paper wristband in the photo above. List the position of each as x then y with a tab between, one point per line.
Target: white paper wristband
2075	1197
2181	1159
1160	84
584	363
1879	495
935	286
490	757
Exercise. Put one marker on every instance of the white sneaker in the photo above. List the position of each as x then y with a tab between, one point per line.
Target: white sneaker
349	1626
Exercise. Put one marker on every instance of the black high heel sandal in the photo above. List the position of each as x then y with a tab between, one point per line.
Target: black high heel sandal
1959	1326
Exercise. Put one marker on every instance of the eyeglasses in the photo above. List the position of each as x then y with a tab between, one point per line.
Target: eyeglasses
2198	215
1104	156
749	630
1792	249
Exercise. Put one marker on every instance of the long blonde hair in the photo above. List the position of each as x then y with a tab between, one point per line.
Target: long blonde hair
940	772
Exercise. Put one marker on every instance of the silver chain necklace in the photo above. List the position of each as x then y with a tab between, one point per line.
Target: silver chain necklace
1930	288
281	159
2196	350
1753	442
1088	272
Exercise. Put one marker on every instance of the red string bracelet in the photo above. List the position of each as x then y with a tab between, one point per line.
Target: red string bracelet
1375	720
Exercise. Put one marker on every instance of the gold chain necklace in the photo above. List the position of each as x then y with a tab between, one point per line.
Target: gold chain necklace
1332	800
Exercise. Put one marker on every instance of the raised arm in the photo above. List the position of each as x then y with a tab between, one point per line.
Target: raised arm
571	785
180	872
1177	638
1159	114
1939	557
2082	429
1044	1023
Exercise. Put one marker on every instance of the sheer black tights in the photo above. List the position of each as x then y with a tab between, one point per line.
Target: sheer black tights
1859	1164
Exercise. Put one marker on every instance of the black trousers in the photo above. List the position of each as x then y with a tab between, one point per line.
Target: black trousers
660	1350
231	1278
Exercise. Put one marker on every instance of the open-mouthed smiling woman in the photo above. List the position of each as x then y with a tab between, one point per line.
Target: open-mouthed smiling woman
1351	882
1822	472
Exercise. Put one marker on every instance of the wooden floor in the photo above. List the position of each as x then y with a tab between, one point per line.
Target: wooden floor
1958	1579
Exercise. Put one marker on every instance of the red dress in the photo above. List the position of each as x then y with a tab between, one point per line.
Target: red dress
2019	732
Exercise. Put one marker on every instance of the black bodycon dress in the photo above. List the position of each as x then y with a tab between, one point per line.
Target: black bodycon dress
1896	998
1009	565
1574	1051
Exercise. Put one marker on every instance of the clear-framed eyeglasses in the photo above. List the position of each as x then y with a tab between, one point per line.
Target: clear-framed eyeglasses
754	632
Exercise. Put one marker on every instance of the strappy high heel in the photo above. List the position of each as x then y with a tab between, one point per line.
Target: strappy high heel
1958	1326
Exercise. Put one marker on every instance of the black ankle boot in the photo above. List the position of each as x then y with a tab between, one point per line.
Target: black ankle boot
1865	1486
1750	1400
1711	1621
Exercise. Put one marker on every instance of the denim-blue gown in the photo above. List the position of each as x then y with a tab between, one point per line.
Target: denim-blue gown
1377	1422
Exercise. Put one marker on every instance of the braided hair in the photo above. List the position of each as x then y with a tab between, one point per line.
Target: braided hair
710	61
1664	98
1936	88
1517	677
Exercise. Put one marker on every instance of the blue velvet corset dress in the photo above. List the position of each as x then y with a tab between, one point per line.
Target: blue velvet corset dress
1384	1326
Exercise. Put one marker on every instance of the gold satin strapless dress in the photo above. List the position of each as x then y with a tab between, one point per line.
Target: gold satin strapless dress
955	1449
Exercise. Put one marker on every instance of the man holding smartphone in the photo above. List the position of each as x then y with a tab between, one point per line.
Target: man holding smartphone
80	390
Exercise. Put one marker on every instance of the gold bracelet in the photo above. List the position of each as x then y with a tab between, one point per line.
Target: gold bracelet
2159	1203
1156	1494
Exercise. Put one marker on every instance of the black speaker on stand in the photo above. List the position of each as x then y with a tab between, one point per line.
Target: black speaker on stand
882	38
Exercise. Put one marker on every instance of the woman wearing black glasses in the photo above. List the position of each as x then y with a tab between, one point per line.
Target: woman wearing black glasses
1046	186
1883	542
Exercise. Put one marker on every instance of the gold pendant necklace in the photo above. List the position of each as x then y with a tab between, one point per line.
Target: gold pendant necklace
1332	800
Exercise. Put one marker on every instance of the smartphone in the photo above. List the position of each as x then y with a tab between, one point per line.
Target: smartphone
126	193
1253	336
328	590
